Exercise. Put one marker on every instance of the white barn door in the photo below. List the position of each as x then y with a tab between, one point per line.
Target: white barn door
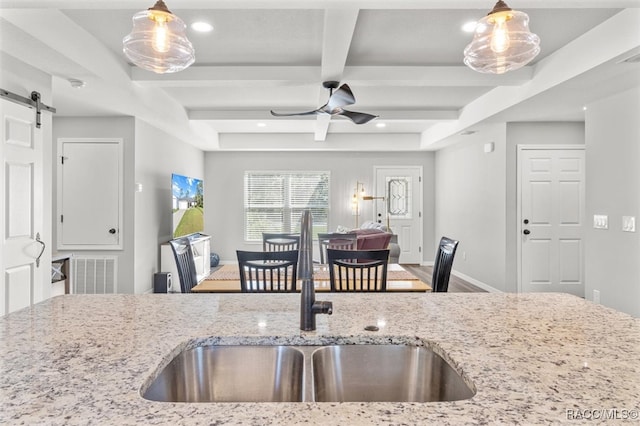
551	218
21	283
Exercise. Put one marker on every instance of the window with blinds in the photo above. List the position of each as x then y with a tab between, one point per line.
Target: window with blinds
274	201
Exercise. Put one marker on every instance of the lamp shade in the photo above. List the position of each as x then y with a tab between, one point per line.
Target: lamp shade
502	42
158	41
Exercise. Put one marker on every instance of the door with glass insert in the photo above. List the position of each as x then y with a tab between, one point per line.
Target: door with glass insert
401	207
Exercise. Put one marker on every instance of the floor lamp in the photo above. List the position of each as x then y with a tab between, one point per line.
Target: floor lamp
371	198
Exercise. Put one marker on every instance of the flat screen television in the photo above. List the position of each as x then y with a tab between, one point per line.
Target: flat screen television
188	205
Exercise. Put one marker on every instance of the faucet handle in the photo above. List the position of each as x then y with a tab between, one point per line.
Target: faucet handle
322	307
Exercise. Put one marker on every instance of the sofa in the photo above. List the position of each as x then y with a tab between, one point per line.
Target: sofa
372	239
375	236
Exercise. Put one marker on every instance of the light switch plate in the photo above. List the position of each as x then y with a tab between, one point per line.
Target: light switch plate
629	223
600	221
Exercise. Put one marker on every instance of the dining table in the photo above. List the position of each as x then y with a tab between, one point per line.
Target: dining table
226	279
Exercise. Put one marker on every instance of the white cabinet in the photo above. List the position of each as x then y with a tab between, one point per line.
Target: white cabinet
201	245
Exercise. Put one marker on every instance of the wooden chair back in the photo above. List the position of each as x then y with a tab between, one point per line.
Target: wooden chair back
183	253
443	264
358	270
268	271
336	241
280	242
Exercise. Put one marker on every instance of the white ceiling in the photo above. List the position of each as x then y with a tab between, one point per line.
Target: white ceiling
401	58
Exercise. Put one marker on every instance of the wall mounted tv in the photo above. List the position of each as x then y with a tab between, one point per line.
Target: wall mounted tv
188	205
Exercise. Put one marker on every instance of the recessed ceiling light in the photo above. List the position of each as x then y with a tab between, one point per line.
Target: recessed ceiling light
467	132
381	125
469	27
584	108
202	27
261	124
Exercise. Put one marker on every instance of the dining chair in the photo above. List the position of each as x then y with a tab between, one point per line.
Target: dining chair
443	263
268	271
183	253
280	242
336	241
358	270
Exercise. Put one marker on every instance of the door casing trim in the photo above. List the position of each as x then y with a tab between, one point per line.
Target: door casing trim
519	149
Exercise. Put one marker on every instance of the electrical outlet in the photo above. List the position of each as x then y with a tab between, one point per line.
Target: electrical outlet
596	296
600	221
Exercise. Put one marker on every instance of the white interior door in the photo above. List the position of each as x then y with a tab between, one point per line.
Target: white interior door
551	210
21	283
401	208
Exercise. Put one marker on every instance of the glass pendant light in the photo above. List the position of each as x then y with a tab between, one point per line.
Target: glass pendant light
158	41
502	42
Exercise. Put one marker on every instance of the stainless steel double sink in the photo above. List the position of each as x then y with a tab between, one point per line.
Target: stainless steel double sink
337	373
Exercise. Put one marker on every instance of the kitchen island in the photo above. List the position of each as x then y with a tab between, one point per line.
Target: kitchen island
532	358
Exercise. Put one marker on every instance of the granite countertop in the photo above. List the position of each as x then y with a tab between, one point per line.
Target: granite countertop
533	358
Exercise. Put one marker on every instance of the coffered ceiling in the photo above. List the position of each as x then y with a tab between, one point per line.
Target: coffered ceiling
401	58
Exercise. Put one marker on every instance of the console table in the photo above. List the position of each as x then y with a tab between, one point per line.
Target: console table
201	246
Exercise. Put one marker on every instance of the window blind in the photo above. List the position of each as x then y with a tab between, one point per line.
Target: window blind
274	201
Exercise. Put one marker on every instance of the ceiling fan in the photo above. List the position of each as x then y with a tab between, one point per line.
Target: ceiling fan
335	105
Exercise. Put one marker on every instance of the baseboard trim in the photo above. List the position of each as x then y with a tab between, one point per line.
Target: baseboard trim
475	282
469	279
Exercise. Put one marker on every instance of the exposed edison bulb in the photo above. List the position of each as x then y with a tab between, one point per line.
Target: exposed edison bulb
161	34
500	40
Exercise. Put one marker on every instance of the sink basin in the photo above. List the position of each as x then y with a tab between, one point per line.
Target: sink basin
340	373
231	374
391	373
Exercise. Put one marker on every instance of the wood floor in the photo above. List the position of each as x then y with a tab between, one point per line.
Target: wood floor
456	285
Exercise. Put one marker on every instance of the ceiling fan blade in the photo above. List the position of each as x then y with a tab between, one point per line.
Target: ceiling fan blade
342	97
358	117
281	114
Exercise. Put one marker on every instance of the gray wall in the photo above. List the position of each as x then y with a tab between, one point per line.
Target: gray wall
476	196
224	190
538	133
157	156
613	188
470	203
150	156
105	127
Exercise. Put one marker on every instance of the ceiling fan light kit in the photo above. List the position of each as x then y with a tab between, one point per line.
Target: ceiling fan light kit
502	42
338	99
158	41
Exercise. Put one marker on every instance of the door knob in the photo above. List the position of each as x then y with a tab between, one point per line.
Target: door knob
526	232
112	231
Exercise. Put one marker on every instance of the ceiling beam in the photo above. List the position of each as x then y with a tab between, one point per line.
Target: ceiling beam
322	127
339	25
230	75
408	115
273	76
